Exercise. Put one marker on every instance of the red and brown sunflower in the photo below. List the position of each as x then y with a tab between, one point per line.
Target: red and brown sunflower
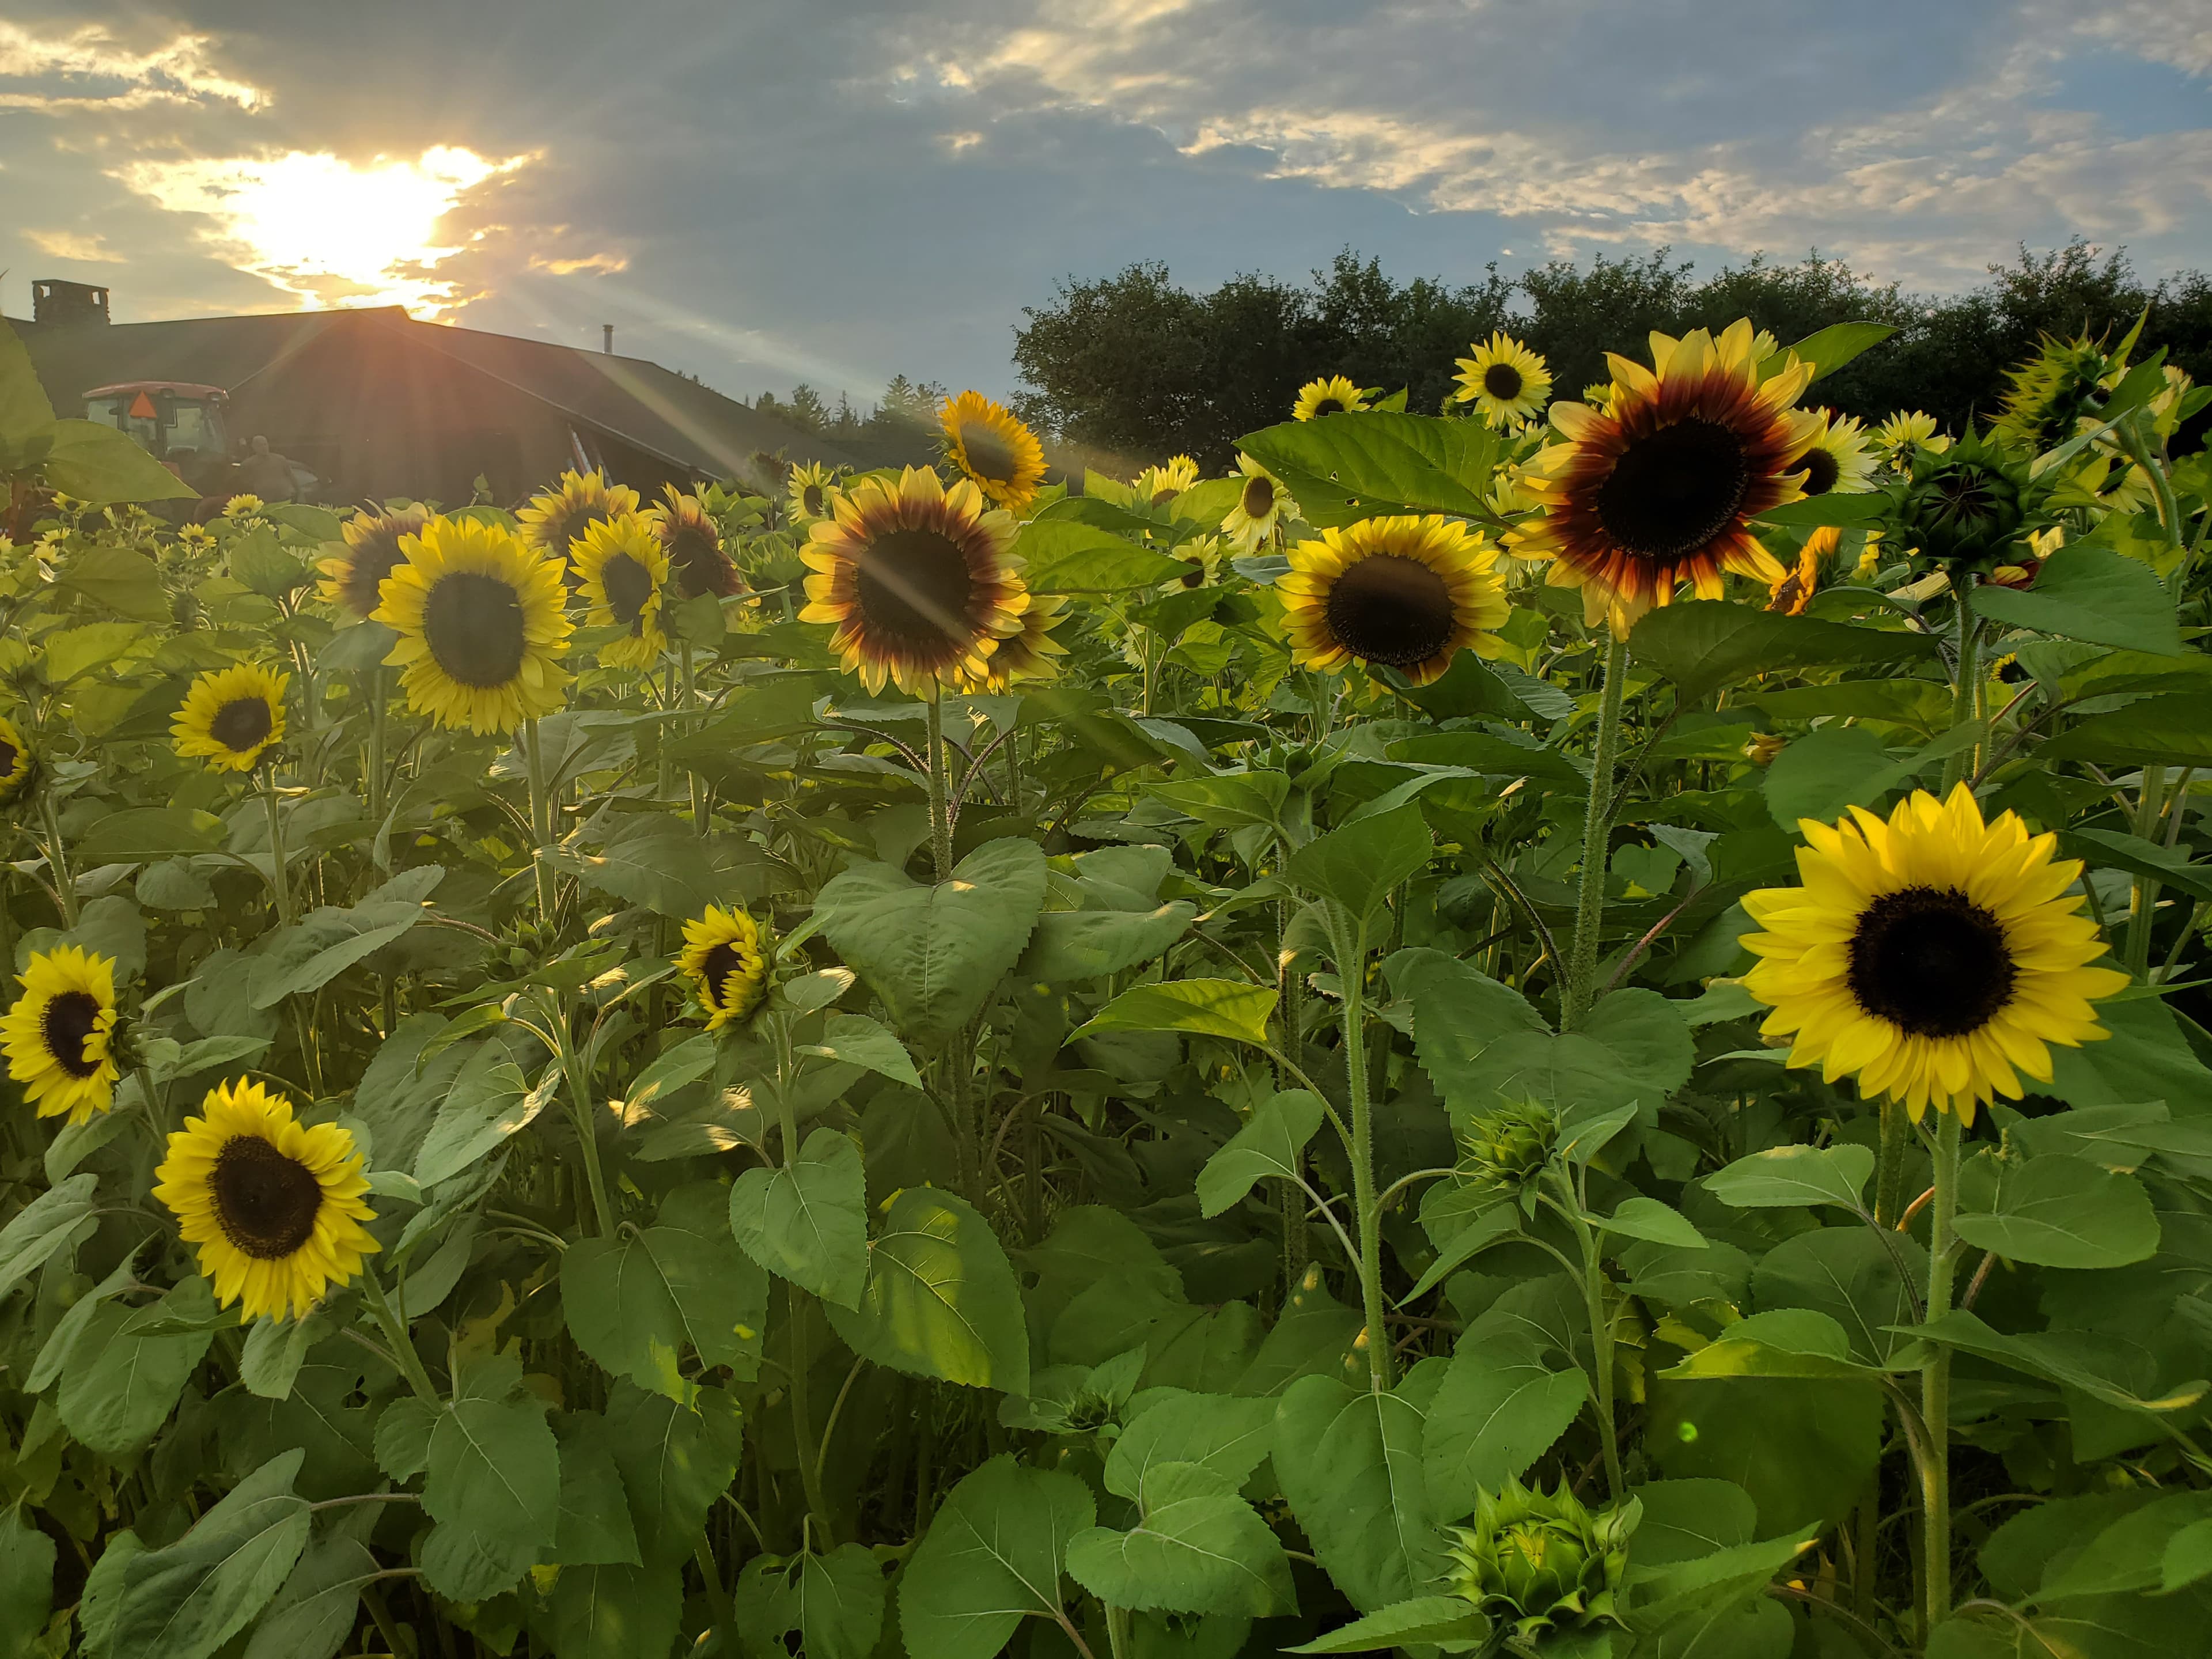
1661	485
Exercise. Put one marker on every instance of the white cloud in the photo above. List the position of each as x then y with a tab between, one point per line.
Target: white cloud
76	245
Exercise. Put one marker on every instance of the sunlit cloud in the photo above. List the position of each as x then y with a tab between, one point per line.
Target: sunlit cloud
89	65
328	231
76	245
604	264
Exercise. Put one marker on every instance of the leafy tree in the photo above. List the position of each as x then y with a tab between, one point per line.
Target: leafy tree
1135	365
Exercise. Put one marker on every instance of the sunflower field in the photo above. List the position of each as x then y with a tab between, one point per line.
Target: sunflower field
1565	1028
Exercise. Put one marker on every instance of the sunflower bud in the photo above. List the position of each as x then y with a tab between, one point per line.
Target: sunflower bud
1505	1151
1762	748
1964	508
1540	1562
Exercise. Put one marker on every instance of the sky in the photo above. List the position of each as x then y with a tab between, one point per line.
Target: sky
837	191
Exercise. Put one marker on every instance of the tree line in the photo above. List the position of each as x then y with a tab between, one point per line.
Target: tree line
1134	367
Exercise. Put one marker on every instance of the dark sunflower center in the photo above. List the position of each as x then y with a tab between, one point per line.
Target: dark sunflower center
9	756
242	725
67	1026
1674	489
1259	497
811	498
989	455
371	563
628	584
473	624
1391	610
722	962
1161	498
1196	576
265	1201
1327	406
1930	961
1501	381
700	565
1821	471
913	587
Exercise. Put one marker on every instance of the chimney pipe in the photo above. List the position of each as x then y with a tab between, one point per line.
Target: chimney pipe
607	338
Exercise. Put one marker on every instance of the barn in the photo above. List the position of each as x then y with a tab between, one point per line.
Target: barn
378	404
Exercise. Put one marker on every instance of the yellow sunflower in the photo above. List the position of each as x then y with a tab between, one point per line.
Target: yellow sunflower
1158	485
1333	396
232	717
18	765
1029	654
242	507
1795	591
1934	956
622	568
273	1206
557	517
59	1036
1202	559
917	580
723	958
990	446
352	576
812	490
1504	380
1839	462
1663	485
1902	433
1262	507
694	543
480	622
1407	594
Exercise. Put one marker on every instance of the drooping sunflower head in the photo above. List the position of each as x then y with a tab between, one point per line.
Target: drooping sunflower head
1033	654
1407	594
724	959
2048	397
1795	591
916	580
19	766
1839	462
1202	560
1935	956
59	1036
1334	395
811	490
1966	506
275	1208
1662	486
481	623
353	575
1262	505
692	542
994	449
1505	382
557	517
1158	485
621	570
232	717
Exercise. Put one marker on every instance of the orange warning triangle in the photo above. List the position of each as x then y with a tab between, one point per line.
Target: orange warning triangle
141	408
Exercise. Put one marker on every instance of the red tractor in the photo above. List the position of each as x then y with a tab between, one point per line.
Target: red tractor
179	423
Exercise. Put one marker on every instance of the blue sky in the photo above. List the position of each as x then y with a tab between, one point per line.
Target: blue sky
835	190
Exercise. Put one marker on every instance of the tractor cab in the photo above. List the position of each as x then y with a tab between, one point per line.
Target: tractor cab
179	423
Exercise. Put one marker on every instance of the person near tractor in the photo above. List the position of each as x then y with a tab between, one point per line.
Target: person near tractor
267	474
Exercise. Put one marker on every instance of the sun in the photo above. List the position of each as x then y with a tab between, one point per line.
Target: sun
329	231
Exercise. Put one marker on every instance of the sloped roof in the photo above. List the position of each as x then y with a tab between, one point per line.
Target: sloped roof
638	401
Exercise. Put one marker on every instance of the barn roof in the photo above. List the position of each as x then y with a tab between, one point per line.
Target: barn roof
649	407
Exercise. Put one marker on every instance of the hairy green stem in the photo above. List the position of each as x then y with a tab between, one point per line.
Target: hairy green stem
371	684
581	1112
1966	689
1935	1381
940	823
1597	826
57	860
1351	947
2150	803
279	877
541	821
1889	1179
395	1336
